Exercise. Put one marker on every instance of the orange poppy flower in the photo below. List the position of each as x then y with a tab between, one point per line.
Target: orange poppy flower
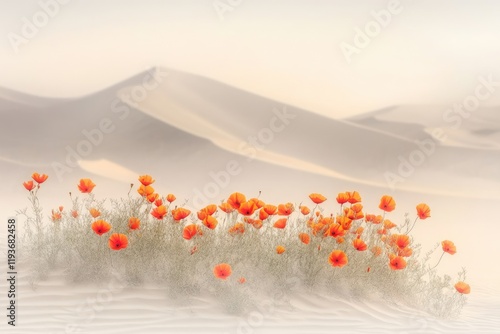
397	263
285	209
207	211
338	258
236	199
462	287
270	209
400	240
86	186
145	191
387	203
189	231
118	241
171	198
237	228
249	220
305	238
74	213
226	207
319	228
100	227
263	215
358	207
258	202
405	252
180	213
56	216
359	230
280	223
359	244
280	249
340	240
146	180
222	270
354	215
449	247
134	223
242	280
202	214
335	230
247	208
61	208
158	202
342	198
94	213
388	224
29	185
159	212
353	197
423	211
210	222
39	178
210	209
345	222
257	223
376	250
382	231
374	219
304	210
152	198
317	198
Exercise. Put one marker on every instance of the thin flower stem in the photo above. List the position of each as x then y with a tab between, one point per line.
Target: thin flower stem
437	262
413	225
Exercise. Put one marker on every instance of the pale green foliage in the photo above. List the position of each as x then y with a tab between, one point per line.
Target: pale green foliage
158	254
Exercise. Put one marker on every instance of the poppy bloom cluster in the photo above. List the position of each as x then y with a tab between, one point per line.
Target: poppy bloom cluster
344	238
38	179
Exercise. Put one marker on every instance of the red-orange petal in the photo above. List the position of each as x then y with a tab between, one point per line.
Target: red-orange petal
317	198
118	241
189	231
387	203
222	271
146	180
462	287
280	223
338	258
39	178
305	238
29	185
134	223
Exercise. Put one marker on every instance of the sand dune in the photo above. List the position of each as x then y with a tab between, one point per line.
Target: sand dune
195	125
186	132
349	150
478	129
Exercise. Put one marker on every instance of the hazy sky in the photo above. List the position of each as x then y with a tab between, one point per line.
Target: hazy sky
425	52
